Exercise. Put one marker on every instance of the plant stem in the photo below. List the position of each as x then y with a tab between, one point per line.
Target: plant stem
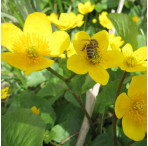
131	142
114	119
76	97
67	139
59	76
85	20
55	73
21	77
68	79
84	110
60	6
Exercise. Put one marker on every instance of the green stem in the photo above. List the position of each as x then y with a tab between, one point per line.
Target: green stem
60	6
84	110
21	77
68	79
76	97
131	142
55	73
114	119
85	21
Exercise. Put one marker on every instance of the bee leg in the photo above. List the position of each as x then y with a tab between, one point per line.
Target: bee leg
85	45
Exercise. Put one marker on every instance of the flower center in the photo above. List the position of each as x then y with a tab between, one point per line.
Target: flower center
131	61
139	111
139	106
31	52
95	58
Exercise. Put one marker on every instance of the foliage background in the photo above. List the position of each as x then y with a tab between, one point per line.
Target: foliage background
60	114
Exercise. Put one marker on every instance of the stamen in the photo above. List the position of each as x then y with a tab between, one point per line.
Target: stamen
130	61
31	52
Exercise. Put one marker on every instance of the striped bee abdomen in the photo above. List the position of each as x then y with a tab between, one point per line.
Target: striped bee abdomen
90	51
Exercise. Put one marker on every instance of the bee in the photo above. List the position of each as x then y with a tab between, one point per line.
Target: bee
91	48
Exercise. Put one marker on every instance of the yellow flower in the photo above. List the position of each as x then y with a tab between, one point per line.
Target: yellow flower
52	18
136	19
104	21
134	61
4	93
94	20
132	108
67	20
93	60
30	47
85	8
35	110
115	42
70	51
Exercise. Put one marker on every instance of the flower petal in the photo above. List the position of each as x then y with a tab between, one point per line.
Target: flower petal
81	7
24	63
98	74
81	38
37	23
9	34
77	64
103	39
15	60
127	50
59	42
40	65
112	59
141	53
133	129
142	67
138	86
121	105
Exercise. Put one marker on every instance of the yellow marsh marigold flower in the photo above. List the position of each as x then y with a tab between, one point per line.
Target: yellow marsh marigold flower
93	57
85	8
35	110
29	48
67	20
94	20
136	19
69	52
52	17
104	20
4	93
134	61
115	42
132	108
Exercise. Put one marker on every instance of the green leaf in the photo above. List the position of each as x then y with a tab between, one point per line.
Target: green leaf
88	83
28	99
140	143
112	3
51	89
69	97
36	78
104	140
22	127
69	120
125	27
101	6
58	133
107	96
10	17
81	83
